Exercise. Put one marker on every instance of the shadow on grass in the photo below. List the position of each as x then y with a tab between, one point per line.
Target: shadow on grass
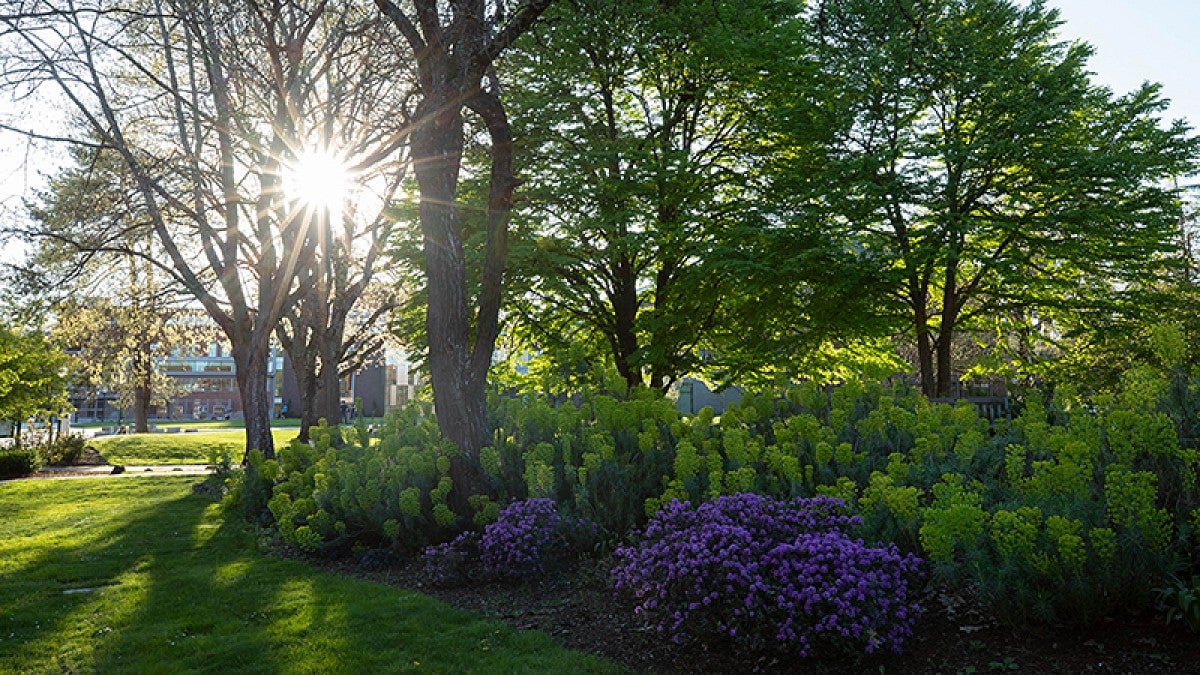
179	588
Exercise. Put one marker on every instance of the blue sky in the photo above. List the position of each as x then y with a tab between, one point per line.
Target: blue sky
1139	40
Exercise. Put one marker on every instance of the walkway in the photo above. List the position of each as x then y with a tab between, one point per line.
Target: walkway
104	470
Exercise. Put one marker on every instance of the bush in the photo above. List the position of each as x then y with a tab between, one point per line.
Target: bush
246	489
527	537
328	499
599	460
1065	514
18	462
763	570
66	451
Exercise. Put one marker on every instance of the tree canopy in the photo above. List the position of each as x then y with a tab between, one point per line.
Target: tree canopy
979	171
32	377
636	128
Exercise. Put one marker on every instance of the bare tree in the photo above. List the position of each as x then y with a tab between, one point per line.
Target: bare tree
364	121
207	105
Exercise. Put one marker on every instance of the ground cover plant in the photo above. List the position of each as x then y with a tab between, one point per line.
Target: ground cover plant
143	575
194	448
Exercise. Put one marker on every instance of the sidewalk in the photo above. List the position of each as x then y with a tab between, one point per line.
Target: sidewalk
131	470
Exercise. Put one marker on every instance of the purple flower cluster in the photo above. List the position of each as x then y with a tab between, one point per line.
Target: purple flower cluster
526	537
755	568
520	540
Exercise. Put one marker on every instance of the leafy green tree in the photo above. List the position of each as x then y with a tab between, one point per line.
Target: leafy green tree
32	378
120	348
113	310
637	131
980	172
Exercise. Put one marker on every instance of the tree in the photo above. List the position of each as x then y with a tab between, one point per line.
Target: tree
639	131
32	380
120	349
977	168
208	104
455	45
112	313
329	336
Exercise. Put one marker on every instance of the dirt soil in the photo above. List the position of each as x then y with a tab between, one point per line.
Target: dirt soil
577	607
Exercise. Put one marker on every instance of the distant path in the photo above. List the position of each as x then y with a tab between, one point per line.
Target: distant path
105	471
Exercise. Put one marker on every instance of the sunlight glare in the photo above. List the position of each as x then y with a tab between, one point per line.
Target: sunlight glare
319	179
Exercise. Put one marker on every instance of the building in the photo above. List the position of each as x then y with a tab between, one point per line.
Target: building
204	385
203	382
390	381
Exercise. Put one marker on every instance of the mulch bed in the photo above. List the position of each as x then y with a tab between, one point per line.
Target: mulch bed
577	607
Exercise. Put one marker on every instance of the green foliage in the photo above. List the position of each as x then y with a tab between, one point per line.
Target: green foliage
1182	599
64	451
18	462
954	521
327	497
120	346
640	127
1053	516
976	166
31	379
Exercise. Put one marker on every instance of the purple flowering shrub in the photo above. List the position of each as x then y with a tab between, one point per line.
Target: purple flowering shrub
527	536
521	539
452	562
762	570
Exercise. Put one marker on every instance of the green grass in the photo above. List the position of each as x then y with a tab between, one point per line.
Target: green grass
281	423
182	448
164	584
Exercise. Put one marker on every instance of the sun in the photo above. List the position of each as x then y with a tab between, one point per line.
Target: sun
319	179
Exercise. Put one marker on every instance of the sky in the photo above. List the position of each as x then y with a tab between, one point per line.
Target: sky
1135	41
1140	40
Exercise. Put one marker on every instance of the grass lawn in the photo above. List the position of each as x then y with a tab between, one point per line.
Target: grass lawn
140	575
192	448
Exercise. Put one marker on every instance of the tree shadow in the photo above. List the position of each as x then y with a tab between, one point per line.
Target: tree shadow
179	587
72	597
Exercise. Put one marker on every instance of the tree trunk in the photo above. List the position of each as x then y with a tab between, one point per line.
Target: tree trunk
141	407
437	154
457	373
925	359
328	402
251	363
625	306
945	372
304	370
